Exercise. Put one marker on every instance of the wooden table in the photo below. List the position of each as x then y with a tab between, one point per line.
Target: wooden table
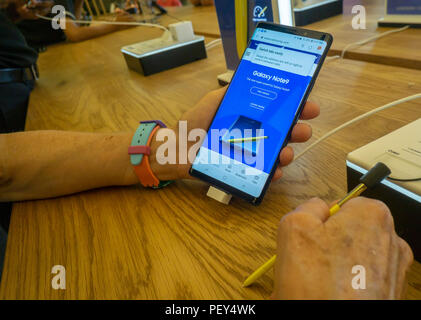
401	49
204	19
134	243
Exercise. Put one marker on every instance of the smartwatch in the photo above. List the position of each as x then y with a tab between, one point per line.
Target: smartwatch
140	150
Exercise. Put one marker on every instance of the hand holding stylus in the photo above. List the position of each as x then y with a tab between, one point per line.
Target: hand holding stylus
316	252
370	179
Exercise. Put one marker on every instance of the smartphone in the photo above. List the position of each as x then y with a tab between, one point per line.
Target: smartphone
260	108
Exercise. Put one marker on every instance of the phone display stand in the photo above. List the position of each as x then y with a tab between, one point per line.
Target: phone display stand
225	78
219	195
400	13
310	11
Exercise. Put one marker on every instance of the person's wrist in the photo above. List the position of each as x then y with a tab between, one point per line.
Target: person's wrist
158	159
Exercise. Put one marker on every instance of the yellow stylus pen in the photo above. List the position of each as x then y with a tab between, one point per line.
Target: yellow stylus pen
374	176
262	12
247	139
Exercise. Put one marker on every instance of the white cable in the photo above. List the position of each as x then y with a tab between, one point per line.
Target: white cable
118	23
213	43
359	43
365	41
365	115
71	15
332	58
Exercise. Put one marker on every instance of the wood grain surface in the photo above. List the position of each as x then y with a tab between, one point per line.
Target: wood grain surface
175	243
403	49
203	18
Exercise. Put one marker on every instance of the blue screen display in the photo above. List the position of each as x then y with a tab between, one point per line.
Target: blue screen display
254	118
403	7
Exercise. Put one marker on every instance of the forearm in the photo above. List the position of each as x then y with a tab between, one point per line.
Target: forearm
42	164
74	33
78	8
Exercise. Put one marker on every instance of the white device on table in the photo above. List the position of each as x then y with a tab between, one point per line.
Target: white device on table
401	152
177	46
400	13
283	12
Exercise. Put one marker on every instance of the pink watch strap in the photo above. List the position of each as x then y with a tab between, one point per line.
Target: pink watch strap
140	150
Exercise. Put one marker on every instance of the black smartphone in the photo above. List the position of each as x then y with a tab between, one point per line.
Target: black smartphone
260	108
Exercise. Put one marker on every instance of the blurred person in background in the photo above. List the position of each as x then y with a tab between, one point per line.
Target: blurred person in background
40	33
18	72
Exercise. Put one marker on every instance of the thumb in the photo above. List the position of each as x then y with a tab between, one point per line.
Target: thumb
333	203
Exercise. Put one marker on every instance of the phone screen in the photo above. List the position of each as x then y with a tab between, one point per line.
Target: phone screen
258	110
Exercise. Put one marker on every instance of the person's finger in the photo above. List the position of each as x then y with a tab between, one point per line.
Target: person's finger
286	156
367	208
405	260
301	133
278	174
311	110
212	100
314	207
371	211
331	204
218	93
25	8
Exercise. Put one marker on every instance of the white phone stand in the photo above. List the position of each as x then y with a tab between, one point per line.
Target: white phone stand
219	195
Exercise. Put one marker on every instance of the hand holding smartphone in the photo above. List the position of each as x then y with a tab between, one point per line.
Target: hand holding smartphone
261	106
39	4
34	8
